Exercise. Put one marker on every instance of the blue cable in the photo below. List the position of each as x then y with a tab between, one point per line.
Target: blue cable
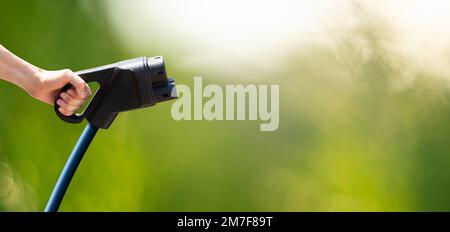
69	169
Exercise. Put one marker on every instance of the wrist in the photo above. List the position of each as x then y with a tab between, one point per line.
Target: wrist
32	82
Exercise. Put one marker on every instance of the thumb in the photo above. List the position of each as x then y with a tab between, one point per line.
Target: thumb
78	83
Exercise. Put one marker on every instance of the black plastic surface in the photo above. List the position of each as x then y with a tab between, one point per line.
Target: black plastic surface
126	85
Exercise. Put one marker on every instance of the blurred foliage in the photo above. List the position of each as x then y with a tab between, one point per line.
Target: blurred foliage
349	138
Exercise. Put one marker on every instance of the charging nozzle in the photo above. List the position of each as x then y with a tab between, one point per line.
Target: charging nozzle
165	92
126	85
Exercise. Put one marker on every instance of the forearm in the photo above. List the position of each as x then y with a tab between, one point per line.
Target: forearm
44	85
16	70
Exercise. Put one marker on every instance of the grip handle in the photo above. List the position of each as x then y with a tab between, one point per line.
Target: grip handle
77	118
74	118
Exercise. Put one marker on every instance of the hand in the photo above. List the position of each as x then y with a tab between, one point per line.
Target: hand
48	85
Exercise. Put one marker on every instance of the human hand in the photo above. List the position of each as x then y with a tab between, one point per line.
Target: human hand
48	84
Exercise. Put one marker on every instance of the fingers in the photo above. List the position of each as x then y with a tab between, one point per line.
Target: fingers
69	109
72	93
64	112
74	98
70	102
81	88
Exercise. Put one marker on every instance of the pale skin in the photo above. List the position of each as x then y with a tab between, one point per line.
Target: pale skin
44	85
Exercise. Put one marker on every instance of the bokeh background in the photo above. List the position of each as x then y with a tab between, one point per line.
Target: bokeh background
364	106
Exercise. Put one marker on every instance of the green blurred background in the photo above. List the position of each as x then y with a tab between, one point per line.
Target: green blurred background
364	107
